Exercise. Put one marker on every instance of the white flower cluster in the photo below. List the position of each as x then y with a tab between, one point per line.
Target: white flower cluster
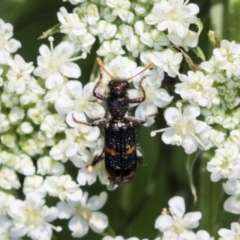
33	120
38	133
177	224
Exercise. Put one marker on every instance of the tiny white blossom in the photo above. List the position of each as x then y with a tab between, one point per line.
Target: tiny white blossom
34	184
168	61
53	124
5	227
19	74
84	43
104	30
178	224
31	217
175	16
85	214
5	201
189	41
74	98
154	39
232	204
63	187
48	166
225	163
86	175
71	24
203	235
185	129
110	49
8	179
228	58
196	87
88	12
55	63
232	234
7	43
212	69
119	8
155	96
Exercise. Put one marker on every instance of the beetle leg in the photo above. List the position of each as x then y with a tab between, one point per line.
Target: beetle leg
96	160
95	123
141	121
139	99
98	95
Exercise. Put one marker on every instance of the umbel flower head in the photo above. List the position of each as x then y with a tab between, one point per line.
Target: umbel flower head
177	224
184	129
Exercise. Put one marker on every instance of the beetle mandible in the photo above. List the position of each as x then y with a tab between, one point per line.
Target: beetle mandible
121	154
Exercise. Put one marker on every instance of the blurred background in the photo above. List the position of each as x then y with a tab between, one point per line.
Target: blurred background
133	208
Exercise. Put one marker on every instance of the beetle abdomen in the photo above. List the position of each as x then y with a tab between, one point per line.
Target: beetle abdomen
120	151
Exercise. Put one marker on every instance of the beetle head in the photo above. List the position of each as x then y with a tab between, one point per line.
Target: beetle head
118	87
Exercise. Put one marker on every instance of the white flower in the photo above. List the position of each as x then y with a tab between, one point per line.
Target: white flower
178	223
86	175
203	235
155	96
196	87
225	163
88	12
85	214
185	129
48	166
5	201
154	39
24	164
71	24
168	61
53	124
212	69
175	16
7	44
232	187
31	217
19	74
120	8
63	187
77	140
55	63
233	234
5	227
110	49
34	184
32	93
104	30
75	99
84	43
8	179
232	204
228	58
189	41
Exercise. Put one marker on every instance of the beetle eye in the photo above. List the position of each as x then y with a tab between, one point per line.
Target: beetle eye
110	83
126	84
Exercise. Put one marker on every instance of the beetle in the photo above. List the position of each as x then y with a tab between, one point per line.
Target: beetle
121	154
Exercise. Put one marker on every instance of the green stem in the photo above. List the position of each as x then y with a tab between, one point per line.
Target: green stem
210	199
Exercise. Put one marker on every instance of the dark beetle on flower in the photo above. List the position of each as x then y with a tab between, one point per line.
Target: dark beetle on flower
121	154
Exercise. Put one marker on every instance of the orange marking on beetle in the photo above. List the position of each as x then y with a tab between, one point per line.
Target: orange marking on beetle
110	151
131	149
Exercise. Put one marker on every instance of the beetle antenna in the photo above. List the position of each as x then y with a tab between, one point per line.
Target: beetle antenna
147	67
100	63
